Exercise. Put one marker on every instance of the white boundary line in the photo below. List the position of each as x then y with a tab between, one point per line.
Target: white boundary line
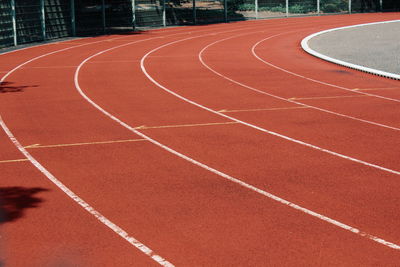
317	81
200	56
308	49
248	124
146	250
133	241
215	171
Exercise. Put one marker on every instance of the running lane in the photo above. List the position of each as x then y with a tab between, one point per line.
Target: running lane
338	188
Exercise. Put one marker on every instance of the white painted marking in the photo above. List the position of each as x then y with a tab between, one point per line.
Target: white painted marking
133	241
82	203
314	80
219	173
200	56
251	125
308	49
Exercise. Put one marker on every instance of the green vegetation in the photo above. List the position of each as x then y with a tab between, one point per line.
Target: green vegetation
327	6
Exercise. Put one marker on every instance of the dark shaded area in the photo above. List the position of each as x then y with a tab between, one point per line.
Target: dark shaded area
8	87
374	5
345	72
391	5
92	18
14	201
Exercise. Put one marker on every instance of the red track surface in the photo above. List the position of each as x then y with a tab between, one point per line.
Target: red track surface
189	215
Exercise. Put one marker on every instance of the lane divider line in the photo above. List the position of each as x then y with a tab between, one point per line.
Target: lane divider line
314	80
219	173
308	49
81	202
33	146
133	241
142	65
200	56
136	243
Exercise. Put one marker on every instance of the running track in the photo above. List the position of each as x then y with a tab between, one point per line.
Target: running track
219	145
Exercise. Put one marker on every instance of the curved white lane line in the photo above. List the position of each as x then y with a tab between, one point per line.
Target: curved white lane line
200	56
133	241
221	174
314	80
251	125
146	250
308	49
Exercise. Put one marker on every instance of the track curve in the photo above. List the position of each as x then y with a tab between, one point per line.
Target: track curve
183	211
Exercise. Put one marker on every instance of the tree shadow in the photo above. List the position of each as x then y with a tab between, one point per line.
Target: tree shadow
8	87
14	201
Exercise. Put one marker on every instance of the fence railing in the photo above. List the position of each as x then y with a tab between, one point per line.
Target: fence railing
26	21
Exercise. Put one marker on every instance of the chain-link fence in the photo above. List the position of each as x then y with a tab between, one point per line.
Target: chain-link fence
25	21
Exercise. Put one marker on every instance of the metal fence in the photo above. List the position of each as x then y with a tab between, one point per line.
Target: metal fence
26	21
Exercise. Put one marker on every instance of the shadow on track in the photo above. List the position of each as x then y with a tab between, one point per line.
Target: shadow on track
8	87
14	201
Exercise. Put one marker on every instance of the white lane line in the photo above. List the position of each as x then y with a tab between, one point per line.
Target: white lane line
290	100
133	241
226	176
314	80
146	250
308	49
142	65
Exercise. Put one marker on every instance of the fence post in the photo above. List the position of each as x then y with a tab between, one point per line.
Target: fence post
194	12
73	26
164	14
43	19
103	15
14	22
226	10
318	7
256	8
133	14
287	8
349	6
